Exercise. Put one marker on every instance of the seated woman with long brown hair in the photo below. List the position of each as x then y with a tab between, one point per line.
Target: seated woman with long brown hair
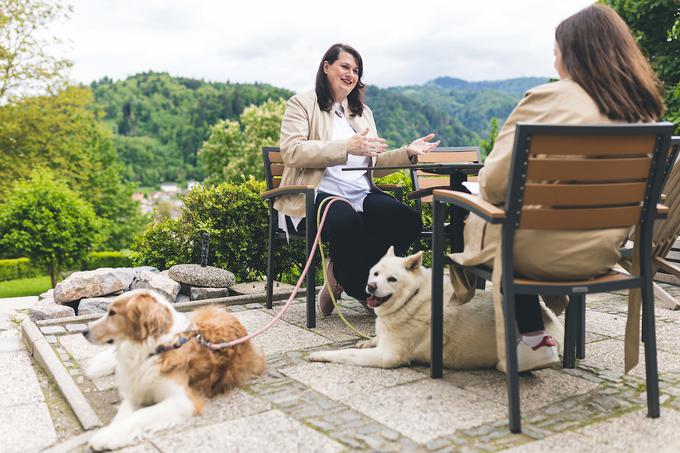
604	79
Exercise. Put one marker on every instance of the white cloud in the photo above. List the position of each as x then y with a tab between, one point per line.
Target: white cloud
282	42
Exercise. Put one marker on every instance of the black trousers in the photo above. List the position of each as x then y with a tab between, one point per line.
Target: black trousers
357	240
528	313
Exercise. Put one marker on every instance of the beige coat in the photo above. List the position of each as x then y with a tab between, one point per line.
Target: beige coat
307	147
537	253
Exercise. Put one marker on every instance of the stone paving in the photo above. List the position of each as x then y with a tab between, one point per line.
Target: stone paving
302	406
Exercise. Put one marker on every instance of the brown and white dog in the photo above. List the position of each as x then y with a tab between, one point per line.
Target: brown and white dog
160	389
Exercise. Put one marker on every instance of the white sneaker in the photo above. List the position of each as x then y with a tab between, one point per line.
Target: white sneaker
543	355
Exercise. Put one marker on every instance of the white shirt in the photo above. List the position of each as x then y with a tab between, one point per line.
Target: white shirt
351	185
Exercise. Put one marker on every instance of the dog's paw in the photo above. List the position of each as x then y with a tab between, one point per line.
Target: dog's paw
102	364
365	344
318	356
109	438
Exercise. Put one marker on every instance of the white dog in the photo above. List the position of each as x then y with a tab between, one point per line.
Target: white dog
400	291
161	385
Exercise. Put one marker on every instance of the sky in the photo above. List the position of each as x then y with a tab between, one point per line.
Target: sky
282	42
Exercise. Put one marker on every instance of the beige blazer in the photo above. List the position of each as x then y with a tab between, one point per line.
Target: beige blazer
307	148
541	253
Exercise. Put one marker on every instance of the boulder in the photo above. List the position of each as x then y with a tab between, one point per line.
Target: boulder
182	298
196	275
49	294
94	305
48	309
200	293
98	282
161	283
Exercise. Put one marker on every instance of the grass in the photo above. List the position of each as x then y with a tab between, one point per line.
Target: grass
25	286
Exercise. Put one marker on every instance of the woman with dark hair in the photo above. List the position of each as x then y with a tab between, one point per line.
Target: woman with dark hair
323	131
604	79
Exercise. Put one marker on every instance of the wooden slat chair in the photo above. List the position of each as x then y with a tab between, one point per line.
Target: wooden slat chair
666	231
574	178
425	183
273	167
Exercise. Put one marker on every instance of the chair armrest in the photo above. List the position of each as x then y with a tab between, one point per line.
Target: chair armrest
484	209
396	189
290	190
417	194
662	211
663	197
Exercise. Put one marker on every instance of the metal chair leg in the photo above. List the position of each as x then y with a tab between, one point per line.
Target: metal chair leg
310	234
581	327
271	271
437	339
570	333
651	371
512	376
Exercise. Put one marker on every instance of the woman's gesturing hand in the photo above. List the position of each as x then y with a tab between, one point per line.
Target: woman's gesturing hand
422	145
362	145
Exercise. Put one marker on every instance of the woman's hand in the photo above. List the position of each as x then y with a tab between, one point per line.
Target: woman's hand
421	145
361	145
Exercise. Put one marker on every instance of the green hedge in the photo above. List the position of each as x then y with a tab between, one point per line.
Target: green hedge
16	268
12	269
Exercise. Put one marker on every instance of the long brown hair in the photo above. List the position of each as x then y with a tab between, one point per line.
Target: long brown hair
600	54
324	97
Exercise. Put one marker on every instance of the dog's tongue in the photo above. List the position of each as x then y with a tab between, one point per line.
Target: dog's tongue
372	301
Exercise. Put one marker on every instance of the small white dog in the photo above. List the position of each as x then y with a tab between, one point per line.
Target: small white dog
160	385
400	291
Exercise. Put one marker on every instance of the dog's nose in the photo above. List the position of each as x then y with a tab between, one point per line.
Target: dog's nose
371	287
86	333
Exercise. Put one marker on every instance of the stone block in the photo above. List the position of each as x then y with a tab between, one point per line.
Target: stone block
76	328
47	309
196	275
157	282
94	305
52	330
201	293
182	298
258	287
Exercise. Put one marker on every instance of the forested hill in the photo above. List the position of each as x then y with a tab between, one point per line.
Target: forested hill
160	122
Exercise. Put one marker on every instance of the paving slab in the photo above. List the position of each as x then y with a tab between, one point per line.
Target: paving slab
609	354
668	337
537	389
426	409
17	380
338	381
280	338
10	343
79	348
332	327
605	323
28	429
270	431
569	442
234	405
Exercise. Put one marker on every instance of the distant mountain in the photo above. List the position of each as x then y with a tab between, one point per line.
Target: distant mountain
516	86
160	121
472	104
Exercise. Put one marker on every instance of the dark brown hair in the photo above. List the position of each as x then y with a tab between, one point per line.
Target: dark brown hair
600	54
355	99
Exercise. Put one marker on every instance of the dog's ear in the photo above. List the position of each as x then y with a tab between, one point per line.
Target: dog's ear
413	262
148	318
390	251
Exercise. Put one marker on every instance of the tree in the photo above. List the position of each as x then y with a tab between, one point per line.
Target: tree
488	143
26	62
656	27
43	219
62	132
231	154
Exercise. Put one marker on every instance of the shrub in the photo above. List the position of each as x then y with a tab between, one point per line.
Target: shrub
95	260
12	269
237	220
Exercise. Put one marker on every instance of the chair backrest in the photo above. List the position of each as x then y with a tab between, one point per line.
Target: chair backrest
666	231
273	167
586	177
424	180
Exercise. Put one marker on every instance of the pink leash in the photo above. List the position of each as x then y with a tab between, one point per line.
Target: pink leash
217	346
